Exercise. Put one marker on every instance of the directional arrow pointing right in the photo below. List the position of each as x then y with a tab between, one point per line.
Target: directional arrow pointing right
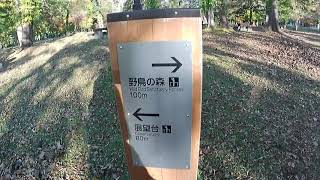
137	114
177	64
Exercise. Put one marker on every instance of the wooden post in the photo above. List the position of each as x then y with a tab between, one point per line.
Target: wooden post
154	26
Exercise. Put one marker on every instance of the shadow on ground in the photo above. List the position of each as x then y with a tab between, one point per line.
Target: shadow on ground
103	130
259	120
59	120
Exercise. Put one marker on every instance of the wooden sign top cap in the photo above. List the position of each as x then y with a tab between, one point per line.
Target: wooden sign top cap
153	14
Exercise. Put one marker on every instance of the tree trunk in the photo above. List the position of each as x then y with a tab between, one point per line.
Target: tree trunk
24	33
250	16
267	12
273	17
318	26
296	24
267	19
207	18
223	14
67	21
210	18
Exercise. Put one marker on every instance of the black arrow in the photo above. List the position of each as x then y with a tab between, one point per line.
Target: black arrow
137	114
177	64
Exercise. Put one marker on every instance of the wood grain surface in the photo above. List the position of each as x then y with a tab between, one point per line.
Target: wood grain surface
165	29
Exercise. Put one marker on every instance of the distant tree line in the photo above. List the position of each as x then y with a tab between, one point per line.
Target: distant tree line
24	21
269	12
156	4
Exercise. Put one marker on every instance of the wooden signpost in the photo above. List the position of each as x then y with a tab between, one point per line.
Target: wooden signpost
157	74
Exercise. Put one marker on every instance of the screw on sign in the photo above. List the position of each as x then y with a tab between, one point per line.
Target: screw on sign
158	79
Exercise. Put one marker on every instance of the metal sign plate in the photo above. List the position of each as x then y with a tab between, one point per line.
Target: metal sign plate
156	79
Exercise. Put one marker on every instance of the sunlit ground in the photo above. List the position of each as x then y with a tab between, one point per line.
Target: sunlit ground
57	111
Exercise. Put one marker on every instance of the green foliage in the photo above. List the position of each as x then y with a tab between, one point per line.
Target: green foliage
92	12
29	10
6	15
256	16
285	9
7	39
302	8
52	18
7	22
127	6
268	4
55	17
248	10
174	4
106	7
288	9
152	4
207	5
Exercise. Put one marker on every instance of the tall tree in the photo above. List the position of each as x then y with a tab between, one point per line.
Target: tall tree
317	15
28	11
273	22
224	13
207	7
67	16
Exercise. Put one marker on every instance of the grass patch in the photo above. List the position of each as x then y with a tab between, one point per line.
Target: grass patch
57	112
